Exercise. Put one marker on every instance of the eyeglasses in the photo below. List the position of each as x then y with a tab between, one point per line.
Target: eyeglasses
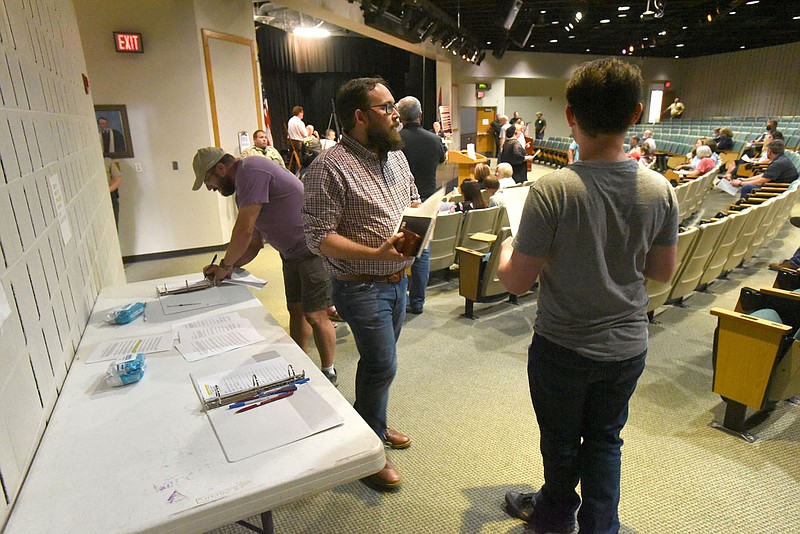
387	108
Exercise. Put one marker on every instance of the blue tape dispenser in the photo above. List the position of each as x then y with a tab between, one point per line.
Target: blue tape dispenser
127	314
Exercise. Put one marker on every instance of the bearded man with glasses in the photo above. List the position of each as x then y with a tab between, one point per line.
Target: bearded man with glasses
355	194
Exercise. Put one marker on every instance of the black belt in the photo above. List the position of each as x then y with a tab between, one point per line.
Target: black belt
384	278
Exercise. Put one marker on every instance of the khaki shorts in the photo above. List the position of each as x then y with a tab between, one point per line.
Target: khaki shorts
306	281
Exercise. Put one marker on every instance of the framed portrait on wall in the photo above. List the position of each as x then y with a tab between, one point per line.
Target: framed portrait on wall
112	127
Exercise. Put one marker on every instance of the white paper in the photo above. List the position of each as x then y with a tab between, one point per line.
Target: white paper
728	187
216	320
244	277
746	158
471	150
111	350
216	343
242	378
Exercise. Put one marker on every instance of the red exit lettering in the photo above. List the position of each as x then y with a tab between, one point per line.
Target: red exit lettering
128	42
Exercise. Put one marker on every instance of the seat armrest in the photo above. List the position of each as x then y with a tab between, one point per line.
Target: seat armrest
483	237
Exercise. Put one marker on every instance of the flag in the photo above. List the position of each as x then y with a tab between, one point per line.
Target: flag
267	123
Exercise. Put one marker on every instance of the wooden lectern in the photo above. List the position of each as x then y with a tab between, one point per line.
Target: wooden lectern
465	163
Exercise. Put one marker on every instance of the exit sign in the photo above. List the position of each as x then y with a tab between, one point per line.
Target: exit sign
129	43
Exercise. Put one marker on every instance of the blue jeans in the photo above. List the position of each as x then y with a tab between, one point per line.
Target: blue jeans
581	406
796	258
420	273
747	189
375	312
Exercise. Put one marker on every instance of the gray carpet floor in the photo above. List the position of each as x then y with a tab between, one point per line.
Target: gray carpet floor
461	393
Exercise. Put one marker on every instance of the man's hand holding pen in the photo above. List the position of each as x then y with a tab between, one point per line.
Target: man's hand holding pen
217	273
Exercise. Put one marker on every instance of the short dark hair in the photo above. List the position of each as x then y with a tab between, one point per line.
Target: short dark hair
353	95
257	132
510	131
774	124
777	135
776	146
603	95
297	110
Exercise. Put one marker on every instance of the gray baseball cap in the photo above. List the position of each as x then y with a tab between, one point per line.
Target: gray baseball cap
203	161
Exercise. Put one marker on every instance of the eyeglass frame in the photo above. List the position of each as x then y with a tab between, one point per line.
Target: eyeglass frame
385	107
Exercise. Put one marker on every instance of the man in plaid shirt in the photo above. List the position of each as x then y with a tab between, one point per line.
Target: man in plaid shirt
355	194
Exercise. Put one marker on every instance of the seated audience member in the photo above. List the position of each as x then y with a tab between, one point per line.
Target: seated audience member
734	168
437	129
724	140
480	172
311	131
780	170
792	263
504	172
261	148
492	186
330	139
705	162
633	147
647	138
646	155
473	199
756	144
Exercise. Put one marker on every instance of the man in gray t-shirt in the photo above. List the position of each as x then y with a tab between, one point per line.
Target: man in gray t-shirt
592	233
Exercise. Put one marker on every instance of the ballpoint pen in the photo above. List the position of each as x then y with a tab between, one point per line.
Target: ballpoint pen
213	259
267	401
262	396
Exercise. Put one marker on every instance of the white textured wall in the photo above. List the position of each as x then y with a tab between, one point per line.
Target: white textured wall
51	267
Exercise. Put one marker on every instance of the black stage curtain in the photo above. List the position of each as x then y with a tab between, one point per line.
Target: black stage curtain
307	72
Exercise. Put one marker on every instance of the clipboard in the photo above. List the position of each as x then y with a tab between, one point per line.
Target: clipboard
186	286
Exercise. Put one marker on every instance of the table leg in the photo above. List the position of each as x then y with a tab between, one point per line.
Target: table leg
267	526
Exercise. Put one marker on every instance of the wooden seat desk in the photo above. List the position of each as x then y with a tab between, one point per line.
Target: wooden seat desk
144	457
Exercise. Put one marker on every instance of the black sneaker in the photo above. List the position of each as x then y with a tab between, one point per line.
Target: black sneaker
522	506
332	376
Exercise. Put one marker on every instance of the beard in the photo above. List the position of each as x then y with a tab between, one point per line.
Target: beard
383	141
225	186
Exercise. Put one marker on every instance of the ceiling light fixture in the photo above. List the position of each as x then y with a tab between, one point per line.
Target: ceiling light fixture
511	12
578	16
605	21
732	13
553	40
622	15
751	2
315	32
624	51
623	8
679	45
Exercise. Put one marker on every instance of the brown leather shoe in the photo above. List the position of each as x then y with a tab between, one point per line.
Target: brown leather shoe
396	440
785	264
387	479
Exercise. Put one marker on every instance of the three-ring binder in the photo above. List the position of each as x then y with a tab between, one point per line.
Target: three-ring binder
251	392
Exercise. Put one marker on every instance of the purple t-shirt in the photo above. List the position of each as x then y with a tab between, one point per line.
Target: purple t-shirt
280	193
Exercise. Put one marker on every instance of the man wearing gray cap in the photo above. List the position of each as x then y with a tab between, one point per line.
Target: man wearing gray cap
269	199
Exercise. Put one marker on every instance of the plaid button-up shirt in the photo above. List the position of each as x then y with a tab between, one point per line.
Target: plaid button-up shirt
351	192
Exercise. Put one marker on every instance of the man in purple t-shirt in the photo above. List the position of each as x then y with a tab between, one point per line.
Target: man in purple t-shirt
269	199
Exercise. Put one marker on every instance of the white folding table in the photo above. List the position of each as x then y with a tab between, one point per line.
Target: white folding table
144	457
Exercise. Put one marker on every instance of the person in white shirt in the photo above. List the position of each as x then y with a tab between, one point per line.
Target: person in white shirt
297	128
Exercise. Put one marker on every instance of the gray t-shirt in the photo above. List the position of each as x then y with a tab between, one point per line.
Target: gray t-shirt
594	223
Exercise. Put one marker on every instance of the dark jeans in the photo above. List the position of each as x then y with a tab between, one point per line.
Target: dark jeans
539	135
420	274
581	406
375	312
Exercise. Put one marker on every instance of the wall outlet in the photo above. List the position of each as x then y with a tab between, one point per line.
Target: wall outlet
138	167
174	165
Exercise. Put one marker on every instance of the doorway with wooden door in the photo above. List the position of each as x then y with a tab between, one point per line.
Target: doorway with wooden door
484	140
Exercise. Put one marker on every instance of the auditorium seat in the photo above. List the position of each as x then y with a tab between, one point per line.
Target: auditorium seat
477	274
481	220
443	243
756	357
659	291
688	277
727	241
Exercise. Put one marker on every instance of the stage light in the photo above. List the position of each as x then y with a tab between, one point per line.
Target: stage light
428	31
511	9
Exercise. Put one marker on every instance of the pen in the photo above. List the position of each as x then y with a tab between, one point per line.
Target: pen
261	396
213	259
262	403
